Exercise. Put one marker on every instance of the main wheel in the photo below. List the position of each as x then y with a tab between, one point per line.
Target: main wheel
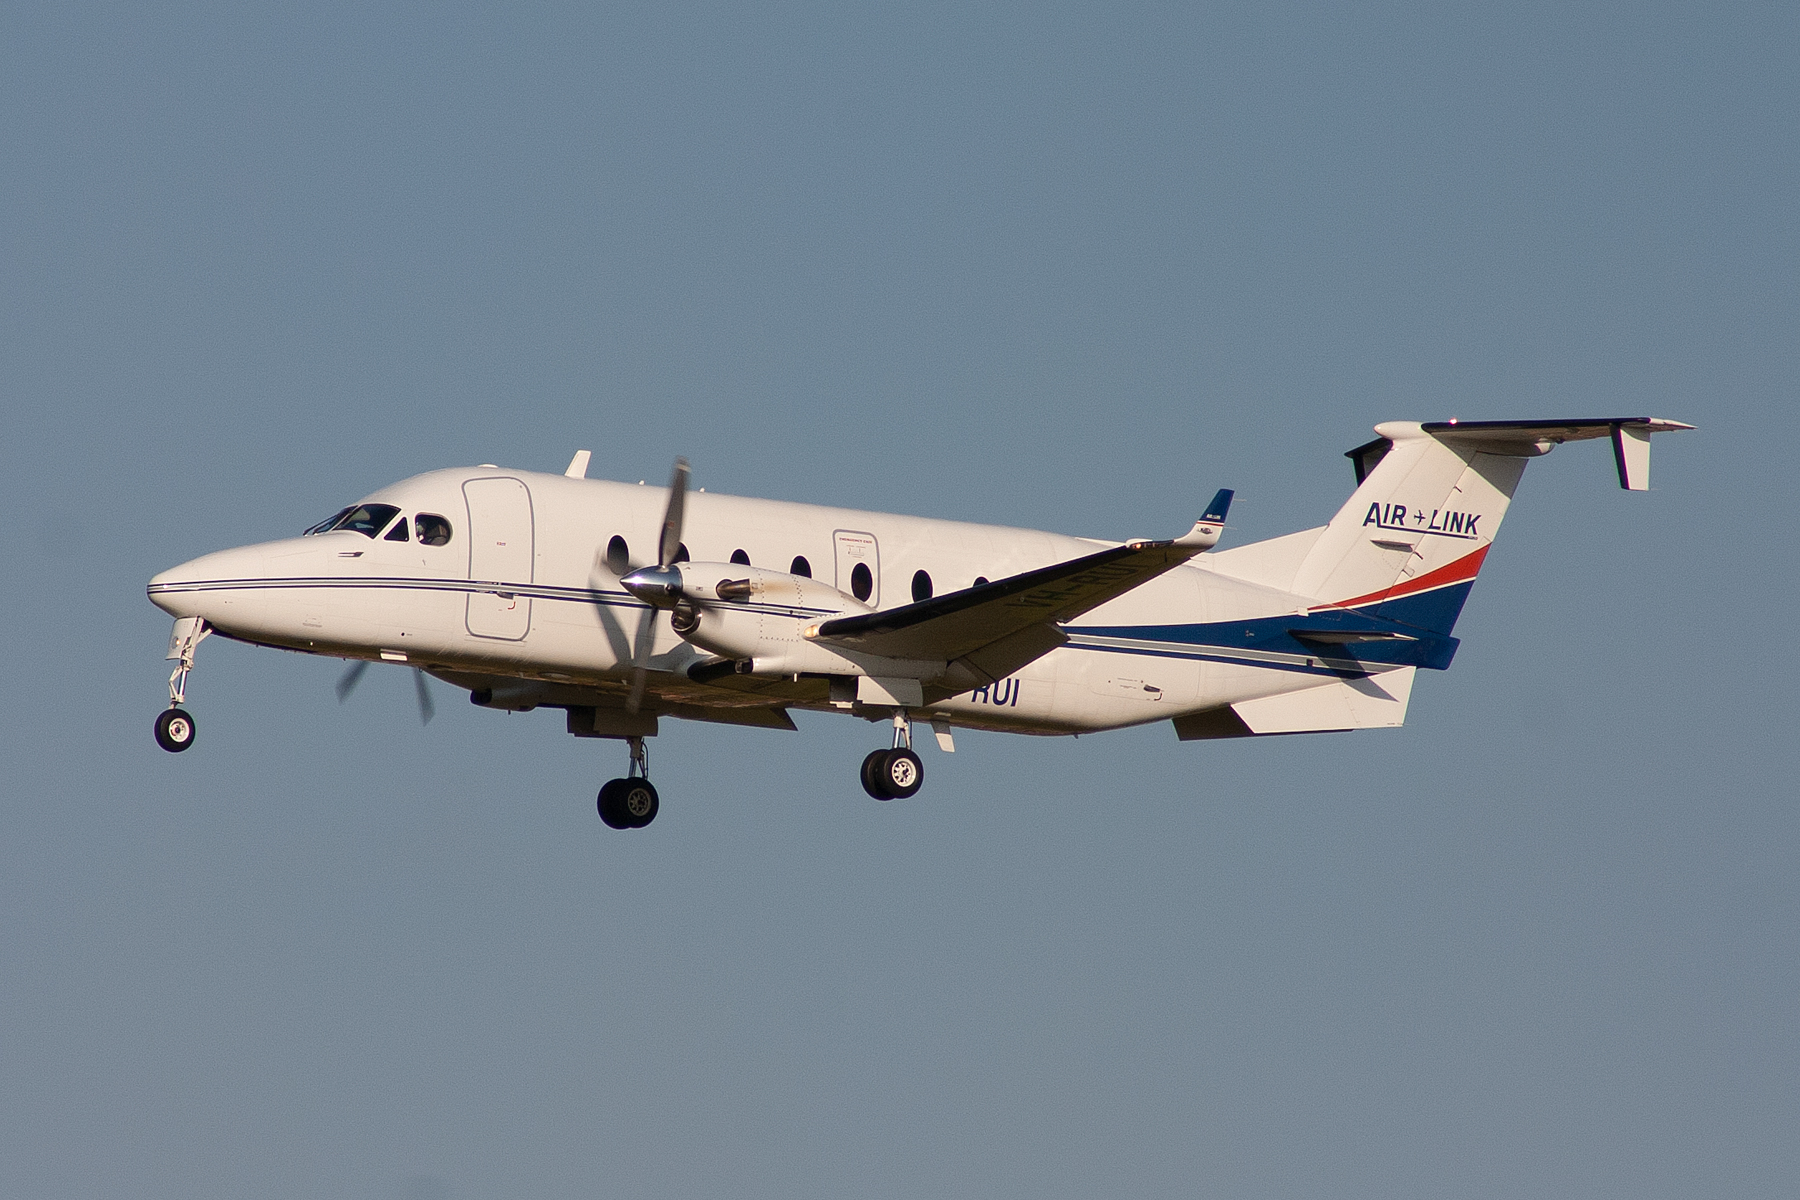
611	804
871	774
902	774
174	730
638	800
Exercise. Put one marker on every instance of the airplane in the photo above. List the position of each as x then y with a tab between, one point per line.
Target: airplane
623	604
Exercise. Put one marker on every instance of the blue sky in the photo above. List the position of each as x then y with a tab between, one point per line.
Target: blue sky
1073	267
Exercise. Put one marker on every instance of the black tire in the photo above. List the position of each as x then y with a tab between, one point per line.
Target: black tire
611	805
638	801
902	774
871	774
174	730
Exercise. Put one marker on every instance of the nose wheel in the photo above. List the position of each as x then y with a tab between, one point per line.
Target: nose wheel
175	725
897	773
631	802
174	730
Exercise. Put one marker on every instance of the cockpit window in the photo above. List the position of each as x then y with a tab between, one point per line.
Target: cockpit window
366	519
432	529
327	523
398	532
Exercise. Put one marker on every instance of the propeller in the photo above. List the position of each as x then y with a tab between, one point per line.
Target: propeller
658	586
427	709
351	677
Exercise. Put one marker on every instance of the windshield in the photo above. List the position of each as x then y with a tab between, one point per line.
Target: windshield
366	519
327	523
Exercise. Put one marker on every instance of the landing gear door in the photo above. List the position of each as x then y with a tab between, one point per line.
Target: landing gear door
500	554
858	565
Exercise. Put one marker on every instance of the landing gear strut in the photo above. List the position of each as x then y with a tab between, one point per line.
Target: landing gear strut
175	725
631	802
897	773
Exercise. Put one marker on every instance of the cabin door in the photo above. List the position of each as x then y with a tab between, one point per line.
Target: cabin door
500	557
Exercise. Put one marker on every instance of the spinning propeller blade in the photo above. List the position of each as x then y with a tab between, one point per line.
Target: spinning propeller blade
668	545
427	709
639	672
350	678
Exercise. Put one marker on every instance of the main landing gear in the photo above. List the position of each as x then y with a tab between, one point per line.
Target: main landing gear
630	803
175	725
897	773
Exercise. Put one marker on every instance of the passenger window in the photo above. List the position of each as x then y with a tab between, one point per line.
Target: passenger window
861	582
618	555
432	529
921	586
800	566
740	558
398	532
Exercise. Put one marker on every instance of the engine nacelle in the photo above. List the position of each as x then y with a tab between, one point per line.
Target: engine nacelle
736	583
741	612
751	615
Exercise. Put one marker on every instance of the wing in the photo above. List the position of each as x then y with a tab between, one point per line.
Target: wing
998	627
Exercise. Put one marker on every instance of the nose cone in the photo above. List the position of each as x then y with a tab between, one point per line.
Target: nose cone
193	588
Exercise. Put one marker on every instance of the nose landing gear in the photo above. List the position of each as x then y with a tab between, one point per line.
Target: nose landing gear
897	773
631	802
175	725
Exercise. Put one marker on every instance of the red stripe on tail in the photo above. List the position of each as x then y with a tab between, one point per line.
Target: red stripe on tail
1462	570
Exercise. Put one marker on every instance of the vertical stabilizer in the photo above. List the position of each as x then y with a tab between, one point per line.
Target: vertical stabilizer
1428	502
1413	535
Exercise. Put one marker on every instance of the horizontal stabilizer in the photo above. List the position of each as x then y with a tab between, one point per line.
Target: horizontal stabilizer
1528	439
1630	438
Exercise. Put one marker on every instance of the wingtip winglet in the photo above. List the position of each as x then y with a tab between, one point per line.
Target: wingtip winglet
1207	530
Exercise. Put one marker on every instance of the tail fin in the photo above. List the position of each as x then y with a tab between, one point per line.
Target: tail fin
1430	498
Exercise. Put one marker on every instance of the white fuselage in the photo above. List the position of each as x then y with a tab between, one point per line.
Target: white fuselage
524	590
535	590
